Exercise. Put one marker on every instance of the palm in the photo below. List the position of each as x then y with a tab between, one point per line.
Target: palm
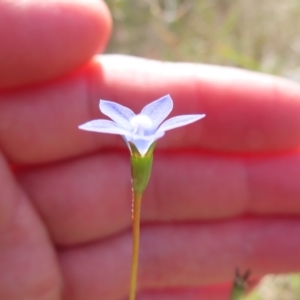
222	191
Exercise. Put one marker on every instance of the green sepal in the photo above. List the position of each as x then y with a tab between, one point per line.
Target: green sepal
141	167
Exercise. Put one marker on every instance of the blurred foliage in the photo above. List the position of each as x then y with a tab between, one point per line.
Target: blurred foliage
257	34
277	287
252	34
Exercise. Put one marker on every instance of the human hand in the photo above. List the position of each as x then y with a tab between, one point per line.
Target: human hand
223	193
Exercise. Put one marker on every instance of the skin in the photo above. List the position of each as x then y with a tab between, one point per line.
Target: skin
224	191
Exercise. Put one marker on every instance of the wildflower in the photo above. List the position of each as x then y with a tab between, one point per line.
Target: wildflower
140	133
143	129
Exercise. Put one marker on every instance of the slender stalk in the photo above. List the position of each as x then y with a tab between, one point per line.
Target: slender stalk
136	211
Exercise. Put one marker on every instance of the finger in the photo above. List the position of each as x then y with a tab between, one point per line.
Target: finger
28	266
83	200
245	111
188	255
212	293
41	40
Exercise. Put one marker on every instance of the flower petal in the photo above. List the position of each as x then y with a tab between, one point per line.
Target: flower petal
158	110
104	126
117	112
179	121
143	143
142	146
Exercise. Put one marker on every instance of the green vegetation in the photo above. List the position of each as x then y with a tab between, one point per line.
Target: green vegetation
258	34
277	287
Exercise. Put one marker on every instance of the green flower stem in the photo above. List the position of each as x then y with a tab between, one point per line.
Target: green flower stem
140	171
136	210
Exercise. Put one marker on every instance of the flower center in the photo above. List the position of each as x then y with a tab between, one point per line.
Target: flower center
141	124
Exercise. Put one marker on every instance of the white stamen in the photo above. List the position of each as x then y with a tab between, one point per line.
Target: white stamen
141	122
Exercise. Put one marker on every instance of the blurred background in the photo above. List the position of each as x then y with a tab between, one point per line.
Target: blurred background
259	35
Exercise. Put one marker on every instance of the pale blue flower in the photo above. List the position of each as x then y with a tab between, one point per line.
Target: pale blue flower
142	129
